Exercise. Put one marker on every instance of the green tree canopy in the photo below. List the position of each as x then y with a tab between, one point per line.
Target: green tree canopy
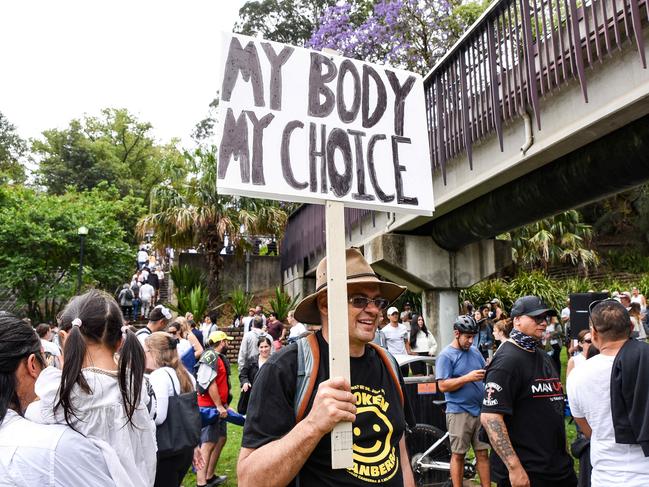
40	256
114	147
288	21
12	149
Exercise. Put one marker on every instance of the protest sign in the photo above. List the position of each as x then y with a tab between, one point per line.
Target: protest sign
306	126
315	127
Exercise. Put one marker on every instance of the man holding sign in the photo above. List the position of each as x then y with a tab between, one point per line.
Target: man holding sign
294	407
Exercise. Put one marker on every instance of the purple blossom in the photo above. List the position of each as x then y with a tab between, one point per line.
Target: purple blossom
403	33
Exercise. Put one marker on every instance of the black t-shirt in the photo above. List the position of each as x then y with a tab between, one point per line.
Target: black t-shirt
525	388
380	419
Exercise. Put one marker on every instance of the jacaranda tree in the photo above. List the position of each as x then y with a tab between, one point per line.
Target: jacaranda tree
412	34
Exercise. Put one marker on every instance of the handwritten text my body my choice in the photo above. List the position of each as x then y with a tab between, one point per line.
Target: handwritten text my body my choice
325	94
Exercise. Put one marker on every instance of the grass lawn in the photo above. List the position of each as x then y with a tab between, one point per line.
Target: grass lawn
227	464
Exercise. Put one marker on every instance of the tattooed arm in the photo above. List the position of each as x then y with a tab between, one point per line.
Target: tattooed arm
499	437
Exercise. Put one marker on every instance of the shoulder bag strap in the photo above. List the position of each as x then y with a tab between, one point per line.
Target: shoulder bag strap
173	386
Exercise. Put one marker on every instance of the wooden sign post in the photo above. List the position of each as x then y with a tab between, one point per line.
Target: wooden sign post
341	436
312	127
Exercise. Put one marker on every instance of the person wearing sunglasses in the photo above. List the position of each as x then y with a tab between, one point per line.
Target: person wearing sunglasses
284	451
523	406
584	342
608	399
31	453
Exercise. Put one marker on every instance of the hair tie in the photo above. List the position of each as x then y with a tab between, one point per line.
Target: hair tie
125	328
76	322
174	343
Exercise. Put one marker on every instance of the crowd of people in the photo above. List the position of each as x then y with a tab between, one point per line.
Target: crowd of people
140	295
94	400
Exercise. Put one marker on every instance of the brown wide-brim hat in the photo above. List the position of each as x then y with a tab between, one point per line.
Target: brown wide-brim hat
358	272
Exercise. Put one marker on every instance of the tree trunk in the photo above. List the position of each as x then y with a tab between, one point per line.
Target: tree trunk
213	248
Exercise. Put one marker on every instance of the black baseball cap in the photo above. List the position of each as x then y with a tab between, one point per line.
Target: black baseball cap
531	306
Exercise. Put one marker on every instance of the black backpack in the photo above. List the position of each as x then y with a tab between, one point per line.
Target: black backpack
129	295
135	288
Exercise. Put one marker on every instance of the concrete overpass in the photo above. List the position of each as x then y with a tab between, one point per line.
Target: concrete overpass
540	107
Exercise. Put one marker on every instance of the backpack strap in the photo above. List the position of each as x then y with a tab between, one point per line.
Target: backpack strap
391	364
308	362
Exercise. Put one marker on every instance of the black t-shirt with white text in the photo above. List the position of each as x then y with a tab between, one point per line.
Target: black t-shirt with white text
525	388
380	419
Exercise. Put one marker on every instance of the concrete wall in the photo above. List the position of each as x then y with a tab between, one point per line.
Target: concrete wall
265	271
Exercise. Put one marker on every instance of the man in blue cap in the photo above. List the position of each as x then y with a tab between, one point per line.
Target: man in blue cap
523	406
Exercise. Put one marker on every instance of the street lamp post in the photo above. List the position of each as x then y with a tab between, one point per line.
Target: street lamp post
82	232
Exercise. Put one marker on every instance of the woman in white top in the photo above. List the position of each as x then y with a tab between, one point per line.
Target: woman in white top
639	332
169	377
584	341
422	342
98	395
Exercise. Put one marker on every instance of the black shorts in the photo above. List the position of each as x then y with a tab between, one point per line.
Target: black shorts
212	432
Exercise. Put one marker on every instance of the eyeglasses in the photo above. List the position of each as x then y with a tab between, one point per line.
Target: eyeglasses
588	341
362	302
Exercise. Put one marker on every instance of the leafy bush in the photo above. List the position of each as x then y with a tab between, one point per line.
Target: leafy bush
485	291
196	301
282	303
409	297
626	261
240	301
538	284
577	285
643	284
187	277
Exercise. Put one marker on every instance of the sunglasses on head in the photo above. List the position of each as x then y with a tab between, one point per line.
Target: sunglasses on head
592	305
362	302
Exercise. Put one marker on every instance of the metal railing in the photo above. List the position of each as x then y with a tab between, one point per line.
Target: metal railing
516	53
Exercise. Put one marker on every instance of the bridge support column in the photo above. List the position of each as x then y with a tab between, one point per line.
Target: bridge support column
440	308
423	266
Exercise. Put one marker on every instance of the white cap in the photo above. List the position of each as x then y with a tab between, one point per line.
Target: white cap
392	310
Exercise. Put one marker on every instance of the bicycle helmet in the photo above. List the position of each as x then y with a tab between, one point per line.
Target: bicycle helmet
466	324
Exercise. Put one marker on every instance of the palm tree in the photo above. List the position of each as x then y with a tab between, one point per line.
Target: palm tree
563	238
188	212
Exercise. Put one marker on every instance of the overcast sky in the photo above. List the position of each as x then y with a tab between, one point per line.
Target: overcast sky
157	58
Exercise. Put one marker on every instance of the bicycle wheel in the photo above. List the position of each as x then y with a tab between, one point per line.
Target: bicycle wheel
418	440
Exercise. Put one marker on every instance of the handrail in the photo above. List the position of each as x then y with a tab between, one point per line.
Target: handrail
516	53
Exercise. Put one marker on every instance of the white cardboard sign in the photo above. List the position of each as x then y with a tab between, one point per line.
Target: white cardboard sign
305	126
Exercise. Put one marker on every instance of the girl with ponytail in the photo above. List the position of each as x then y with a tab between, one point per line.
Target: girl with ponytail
98	392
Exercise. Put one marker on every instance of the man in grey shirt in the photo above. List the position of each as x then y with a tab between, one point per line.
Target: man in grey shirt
248	348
